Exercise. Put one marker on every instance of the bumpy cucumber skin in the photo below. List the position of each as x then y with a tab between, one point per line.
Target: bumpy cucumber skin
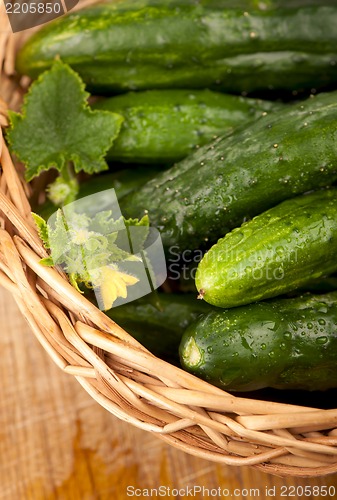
148	44
284	344
276	252
160	330
234	178
165	126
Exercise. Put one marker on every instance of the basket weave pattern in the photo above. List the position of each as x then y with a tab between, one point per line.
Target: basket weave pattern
119	373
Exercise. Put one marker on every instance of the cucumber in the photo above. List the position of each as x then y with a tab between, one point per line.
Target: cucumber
283	344
215	189
123	182
164	126
277	252
149	44
159	327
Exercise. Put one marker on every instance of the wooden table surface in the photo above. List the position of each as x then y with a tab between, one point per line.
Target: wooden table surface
57	443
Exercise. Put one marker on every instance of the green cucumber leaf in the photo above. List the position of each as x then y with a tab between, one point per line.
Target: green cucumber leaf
42	228
57	126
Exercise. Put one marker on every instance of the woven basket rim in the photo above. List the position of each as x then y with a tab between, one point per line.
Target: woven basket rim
118	372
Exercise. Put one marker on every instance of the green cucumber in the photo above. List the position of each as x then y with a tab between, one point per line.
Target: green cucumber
276	252
159	327
164	126
139	45
215	189
284	344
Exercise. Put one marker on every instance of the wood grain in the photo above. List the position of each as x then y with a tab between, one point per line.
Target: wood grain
57	443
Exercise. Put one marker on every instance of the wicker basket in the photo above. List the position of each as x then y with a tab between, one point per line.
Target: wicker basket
123	376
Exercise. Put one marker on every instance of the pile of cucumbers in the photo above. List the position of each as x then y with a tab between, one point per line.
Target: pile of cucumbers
229	144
